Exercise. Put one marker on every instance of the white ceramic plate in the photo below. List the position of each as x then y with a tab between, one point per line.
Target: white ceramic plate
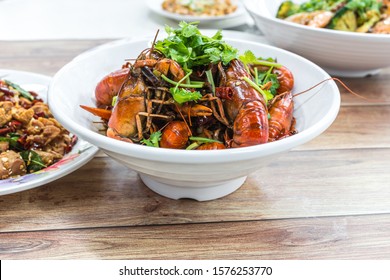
81	153
237	18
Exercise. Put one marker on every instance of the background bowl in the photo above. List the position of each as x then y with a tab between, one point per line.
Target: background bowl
340	53
200	175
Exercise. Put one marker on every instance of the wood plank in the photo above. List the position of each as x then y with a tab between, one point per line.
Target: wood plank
359	237
298	184
355	127
44	57
375	88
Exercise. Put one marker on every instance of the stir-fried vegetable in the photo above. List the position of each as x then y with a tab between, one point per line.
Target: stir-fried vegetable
347	15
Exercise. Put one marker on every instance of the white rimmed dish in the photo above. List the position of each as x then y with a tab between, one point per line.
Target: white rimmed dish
81	153
236	18
340	53
200	175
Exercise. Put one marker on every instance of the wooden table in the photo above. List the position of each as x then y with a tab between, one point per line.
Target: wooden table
327	199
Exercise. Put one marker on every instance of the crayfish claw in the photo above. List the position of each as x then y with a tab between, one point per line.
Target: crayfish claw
113	134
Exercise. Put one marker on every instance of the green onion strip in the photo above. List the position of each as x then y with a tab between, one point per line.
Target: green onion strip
211	80
256	87
204	140
267	63
256	76
192	85
199	141
183	79
193	146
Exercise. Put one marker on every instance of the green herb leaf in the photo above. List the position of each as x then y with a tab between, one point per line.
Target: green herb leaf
262	78
265	77
182	95
190	48
153	140
33	161
249	58
12	139
192	85
256	87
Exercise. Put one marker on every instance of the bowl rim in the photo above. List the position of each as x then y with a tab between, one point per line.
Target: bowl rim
345	35
190	156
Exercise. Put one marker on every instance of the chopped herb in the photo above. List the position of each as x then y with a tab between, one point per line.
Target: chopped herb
193	146
153	140
181	95
33	161
249	58
210	79
265	93
203	140
12	139
114	100
268	76
262	78
190	48
200	140
192	85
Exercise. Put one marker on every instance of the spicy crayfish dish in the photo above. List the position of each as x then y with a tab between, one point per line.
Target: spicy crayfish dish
191	91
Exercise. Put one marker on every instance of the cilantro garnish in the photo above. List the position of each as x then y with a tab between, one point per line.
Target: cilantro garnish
153	140
190	48
182	95
249	58
265	77
261	78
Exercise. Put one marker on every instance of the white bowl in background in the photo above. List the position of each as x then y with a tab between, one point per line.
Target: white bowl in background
200	175
340	53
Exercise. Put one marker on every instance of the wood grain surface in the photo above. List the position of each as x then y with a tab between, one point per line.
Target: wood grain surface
327	199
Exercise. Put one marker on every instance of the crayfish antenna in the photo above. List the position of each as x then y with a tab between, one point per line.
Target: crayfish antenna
344	85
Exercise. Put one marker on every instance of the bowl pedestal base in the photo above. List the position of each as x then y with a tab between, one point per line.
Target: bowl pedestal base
199	193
